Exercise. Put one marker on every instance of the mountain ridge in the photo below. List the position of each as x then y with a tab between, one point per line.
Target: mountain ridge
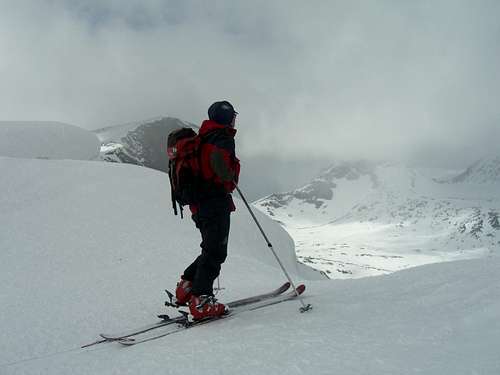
141	143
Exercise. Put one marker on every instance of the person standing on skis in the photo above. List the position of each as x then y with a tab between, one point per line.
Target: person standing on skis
219	171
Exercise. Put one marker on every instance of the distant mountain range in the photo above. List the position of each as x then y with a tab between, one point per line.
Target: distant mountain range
359	218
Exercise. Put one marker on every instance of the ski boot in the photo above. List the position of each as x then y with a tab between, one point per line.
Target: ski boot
205	306
183	292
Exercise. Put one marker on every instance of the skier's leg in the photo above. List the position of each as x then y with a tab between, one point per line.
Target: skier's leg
215	234
183	290
190	271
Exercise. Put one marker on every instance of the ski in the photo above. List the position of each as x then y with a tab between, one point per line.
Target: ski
182	319
146	328
256	304
260	297
165	321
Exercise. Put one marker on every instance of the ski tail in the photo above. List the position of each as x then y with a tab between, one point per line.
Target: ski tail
137	331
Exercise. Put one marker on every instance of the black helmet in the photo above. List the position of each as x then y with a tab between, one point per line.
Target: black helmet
222	112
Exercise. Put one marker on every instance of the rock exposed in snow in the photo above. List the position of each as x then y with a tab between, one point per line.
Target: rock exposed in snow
142	143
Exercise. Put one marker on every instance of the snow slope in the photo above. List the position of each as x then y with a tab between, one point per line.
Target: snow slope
362	219
484	171
87	247
47	140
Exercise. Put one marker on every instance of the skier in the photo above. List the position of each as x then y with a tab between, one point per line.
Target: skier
220	171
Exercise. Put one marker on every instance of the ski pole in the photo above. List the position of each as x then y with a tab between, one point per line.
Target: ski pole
304	307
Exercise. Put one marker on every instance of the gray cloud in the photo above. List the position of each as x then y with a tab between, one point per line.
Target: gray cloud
415	81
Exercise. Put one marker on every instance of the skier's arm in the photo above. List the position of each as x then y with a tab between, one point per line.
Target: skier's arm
220	166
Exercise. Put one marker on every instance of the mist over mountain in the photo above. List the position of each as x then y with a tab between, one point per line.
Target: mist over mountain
483	171
361	218
144	143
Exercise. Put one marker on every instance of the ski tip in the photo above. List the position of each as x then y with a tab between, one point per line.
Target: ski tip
301	289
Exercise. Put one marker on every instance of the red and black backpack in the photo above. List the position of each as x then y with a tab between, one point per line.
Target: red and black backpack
184	167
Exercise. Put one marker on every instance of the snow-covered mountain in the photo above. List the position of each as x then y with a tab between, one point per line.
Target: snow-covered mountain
484	171
360	219
140	143
47	140
88	247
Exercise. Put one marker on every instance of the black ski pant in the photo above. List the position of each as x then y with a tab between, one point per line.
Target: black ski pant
213	224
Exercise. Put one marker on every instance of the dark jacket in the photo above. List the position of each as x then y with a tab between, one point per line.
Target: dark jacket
220	167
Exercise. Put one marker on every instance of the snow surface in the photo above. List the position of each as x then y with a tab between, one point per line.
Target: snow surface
88	247
47	140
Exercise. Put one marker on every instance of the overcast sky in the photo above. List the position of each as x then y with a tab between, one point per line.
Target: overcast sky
408	80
